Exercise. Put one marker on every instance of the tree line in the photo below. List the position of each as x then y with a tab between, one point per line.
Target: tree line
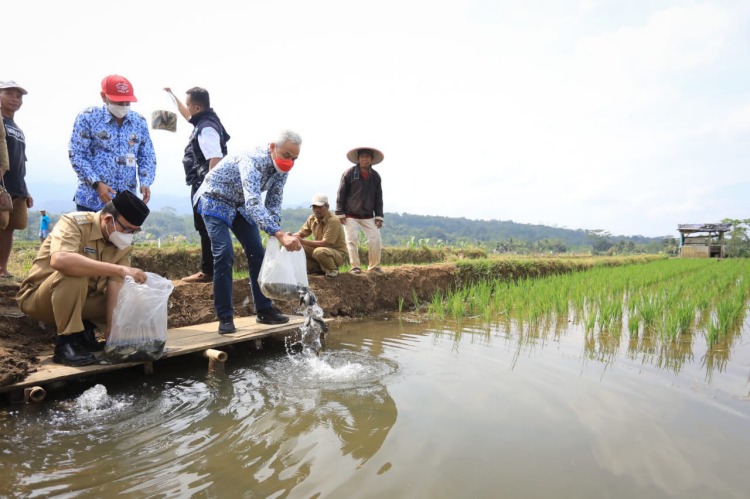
167	227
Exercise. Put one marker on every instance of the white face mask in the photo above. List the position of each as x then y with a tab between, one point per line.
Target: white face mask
122	241
118	111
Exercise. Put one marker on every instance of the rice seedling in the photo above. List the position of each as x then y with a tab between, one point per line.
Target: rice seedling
456	304
436	307
415	299
661	301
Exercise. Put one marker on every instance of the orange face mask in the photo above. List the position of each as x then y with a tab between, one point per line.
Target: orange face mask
283	165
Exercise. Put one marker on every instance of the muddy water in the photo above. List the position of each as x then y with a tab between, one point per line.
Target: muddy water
394	408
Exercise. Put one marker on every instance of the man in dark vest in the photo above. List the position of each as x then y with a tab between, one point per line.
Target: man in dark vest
207	146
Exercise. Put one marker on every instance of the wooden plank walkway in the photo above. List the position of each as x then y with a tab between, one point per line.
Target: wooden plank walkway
180	341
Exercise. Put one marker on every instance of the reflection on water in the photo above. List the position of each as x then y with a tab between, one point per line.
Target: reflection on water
404	408
604	345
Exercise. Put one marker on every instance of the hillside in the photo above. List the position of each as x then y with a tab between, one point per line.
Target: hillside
167	225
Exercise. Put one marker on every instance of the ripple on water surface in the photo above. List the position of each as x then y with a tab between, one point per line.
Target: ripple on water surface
332	370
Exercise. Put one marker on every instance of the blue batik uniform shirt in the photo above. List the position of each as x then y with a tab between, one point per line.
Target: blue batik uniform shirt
99	150
235	185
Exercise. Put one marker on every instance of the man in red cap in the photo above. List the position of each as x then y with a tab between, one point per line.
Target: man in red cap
78	273
110	148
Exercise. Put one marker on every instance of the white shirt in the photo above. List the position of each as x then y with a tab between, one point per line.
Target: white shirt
210	143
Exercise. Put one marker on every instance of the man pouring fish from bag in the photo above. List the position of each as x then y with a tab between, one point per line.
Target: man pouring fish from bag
78	274
230	198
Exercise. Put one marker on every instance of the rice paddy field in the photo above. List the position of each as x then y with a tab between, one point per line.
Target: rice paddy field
662	306
618	382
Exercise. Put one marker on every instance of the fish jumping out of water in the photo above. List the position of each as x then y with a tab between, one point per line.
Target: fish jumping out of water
314	324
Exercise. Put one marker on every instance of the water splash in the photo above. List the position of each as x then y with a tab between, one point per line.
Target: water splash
94	399
310	331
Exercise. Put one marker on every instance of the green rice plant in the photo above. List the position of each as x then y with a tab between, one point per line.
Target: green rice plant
415	299
240	274
633	325
685	316
648	310
712	332
400	304
436	308
480	297
456	304
589	318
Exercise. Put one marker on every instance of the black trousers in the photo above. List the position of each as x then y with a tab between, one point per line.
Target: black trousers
207	258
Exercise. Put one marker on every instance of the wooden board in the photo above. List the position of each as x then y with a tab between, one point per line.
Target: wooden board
180	341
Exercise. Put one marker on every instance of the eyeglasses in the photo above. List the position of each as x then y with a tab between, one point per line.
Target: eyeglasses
127	230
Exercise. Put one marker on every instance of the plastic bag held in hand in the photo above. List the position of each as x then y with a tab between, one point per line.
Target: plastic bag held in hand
283	275
139	320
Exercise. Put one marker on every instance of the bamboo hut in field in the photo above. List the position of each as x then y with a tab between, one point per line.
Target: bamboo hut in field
703	240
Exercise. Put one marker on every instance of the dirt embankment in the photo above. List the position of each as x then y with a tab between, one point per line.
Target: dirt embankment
23	341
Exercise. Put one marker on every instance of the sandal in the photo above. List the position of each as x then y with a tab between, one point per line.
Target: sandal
355	270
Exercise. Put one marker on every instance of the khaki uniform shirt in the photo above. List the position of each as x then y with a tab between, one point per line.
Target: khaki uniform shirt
77	232
4	160
329	230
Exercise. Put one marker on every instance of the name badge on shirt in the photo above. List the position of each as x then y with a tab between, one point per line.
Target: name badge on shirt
130	159
86	249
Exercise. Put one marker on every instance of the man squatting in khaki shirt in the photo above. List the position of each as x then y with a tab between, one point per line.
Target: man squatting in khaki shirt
328	251
78	273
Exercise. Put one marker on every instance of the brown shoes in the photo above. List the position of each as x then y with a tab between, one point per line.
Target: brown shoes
199	277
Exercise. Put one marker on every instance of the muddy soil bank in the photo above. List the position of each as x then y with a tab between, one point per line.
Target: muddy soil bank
23	341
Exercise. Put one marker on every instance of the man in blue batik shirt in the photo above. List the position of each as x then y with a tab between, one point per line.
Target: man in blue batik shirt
230	198
110	148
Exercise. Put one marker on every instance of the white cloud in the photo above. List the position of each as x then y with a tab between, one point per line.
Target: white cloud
579	113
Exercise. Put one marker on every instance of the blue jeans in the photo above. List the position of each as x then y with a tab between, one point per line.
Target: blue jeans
221	247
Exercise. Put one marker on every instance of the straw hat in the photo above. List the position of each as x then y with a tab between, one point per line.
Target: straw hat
353	155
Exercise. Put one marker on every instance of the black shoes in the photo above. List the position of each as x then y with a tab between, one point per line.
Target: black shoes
271	315
70	352
87	339
226	325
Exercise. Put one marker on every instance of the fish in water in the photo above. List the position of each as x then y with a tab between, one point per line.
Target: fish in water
314	324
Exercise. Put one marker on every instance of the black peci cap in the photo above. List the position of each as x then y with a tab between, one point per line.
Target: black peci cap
131	207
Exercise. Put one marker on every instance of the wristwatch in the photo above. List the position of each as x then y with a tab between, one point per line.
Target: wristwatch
95	185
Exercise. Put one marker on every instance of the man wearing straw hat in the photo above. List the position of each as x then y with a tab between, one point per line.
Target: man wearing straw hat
359	205
78	273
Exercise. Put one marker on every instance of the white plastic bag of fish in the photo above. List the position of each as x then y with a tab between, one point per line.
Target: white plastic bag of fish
164	120
283	275
139	320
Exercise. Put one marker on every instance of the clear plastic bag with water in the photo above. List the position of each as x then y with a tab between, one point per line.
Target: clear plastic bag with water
283	275
139	320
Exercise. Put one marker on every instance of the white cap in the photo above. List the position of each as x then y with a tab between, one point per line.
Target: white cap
12	84
319	200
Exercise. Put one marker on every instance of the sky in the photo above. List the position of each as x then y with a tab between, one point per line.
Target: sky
629	117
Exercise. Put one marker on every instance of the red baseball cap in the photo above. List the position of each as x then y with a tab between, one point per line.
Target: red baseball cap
118	89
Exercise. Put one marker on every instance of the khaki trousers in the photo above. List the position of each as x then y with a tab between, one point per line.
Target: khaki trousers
325	259
64	301
372	233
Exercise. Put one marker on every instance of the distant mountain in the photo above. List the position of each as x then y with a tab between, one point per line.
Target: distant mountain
172	217
59	199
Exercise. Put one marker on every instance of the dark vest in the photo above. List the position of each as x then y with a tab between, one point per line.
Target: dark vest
194	162
15	178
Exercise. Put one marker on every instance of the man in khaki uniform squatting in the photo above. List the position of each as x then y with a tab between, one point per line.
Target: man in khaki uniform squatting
328	250
79	272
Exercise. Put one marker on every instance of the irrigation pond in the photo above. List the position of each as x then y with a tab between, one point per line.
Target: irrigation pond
614	382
